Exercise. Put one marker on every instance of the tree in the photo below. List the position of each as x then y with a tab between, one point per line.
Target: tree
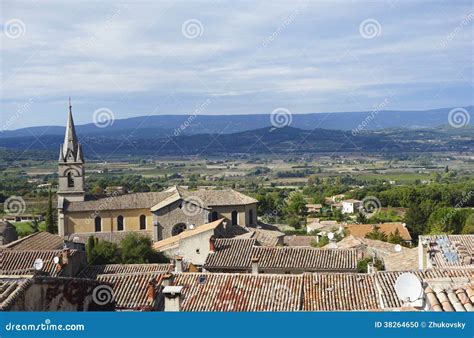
138	249
468	227
296	205
395	237
101	252
361	218
49	218
376	234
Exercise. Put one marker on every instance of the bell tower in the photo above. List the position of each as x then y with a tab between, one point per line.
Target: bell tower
71	165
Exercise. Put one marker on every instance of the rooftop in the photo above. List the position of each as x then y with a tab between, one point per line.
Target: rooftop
240	292
175	240
92	271
12	288
37	241
18	262
450	250
450	294
134	291
361	230
157	200
237	254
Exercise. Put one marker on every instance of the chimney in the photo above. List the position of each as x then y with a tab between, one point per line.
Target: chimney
370	267
178	264
65	256
423	245
151	291
255	265
167	278
212	244
173	298
156	236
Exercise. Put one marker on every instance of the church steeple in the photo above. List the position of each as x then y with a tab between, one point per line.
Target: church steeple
71	164
70	150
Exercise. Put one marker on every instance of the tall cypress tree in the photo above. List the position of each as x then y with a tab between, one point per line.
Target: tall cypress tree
49	214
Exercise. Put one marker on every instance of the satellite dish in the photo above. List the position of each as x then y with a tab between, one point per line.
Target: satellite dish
191	227
398	248
331	235
38	264
408	287
56	260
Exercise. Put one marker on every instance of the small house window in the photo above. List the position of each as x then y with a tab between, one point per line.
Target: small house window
98	224
214	216
234	217
142	222
70	180
120	223
251	216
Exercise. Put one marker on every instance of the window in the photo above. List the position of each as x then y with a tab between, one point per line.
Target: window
142	222
251	216
120	223
234	217
70	180
178	228
98	224
214	216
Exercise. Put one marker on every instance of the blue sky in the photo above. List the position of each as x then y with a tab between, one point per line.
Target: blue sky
144	57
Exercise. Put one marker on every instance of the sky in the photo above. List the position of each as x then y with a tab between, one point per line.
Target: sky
238	57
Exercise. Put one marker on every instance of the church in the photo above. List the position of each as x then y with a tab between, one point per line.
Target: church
158	215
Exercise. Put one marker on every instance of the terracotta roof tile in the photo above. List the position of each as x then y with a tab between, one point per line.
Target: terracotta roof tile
450	294
37	241
131	291
240	292
11	288
340	292
92	271
15	262
236	255
386	282
361	230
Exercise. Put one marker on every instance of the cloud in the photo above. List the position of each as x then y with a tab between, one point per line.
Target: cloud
251	57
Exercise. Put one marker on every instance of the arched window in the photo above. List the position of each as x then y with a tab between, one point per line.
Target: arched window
98	224
120	223
251	216
142	222
234	218
70	180
178	228
214	216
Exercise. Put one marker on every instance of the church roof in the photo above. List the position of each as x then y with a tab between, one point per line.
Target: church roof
158	200
70	150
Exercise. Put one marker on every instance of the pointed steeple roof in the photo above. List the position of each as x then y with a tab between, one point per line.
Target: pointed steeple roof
70	147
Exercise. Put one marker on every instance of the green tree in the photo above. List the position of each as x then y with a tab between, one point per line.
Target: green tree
49	218
376	234
361	218
138	249
395	237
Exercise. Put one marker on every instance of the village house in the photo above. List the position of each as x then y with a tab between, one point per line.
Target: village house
351	206
157	214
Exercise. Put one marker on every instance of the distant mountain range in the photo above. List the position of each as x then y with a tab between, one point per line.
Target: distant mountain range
164	126
268	140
